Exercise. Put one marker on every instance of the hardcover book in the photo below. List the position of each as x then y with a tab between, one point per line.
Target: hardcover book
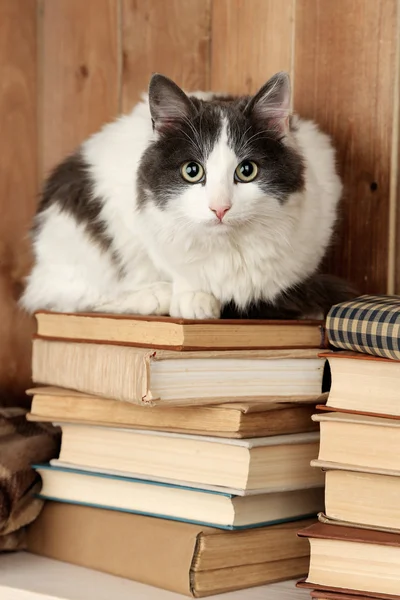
180	334
148	377
241	419
212	507
180	557
353	559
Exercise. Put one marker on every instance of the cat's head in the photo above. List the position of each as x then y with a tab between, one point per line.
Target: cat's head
222	162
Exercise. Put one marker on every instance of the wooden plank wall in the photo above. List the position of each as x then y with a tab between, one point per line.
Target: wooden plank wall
68	66
18	184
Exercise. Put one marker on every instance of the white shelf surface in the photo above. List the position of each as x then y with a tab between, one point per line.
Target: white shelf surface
24	576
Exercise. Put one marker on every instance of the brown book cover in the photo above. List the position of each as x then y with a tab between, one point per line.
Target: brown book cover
364	413
350	534
333	593
180	334
180	557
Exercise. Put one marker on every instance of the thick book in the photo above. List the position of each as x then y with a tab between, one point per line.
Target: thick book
26	576
181	557
180	503
144	376
363	384
360	499
353	558
241	420
361	442
368	324
180	334
270	463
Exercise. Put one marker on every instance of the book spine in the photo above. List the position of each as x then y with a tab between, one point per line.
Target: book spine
365	326
152	551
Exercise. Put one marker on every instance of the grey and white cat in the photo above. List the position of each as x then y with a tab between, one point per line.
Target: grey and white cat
186	205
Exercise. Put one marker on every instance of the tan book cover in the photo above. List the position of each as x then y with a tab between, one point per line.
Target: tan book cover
245	419
181	334
147	377
180	557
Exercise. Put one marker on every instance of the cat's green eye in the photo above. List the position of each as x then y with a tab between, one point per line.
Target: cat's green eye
192	172
246	171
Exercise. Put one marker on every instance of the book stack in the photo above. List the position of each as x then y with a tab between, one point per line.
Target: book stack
355	546
186	448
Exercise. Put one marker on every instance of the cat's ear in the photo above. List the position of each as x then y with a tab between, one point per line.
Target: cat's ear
169	105
272	103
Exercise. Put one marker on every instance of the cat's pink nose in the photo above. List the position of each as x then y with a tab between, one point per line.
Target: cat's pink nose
220	212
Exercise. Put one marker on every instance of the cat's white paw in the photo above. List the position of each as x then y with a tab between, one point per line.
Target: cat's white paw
195	305
152	300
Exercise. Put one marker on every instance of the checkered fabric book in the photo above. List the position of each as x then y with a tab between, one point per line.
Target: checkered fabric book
368	324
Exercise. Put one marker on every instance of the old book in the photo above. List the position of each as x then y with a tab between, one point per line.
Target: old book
207	507
363	499
363	384
180	557
361	442
180	334
353	558
144	376
270	463
368	324
26	576
245	419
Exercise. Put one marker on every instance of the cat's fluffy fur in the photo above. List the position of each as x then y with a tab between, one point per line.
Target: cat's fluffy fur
120	230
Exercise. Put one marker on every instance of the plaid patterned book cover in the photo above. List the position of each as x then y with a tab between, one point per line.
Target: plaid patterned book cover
368	324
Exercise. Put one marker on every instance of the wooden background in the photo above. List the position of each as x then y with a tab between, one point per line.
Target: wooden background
68	66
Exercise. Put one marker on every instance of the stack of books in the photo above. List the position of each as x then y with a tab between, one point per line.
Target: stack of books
186	448
355	547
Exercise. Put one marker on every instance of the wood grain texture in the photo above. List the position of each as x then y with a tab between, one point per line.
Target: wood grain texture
79	72
345	57
171	37
251	40
18	187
